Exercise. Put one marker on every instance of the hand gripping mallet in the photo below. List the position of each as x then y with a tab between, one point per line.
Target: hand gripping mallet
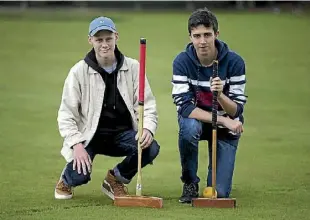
138	200
214	202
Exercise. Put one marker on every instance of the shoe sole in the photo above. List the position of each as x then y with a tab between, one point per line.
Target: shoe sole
107	192
187	202
182	201
59	196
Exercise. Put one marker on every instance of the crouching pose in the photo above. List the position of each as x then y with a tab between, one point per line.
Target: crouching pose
98	114
192	93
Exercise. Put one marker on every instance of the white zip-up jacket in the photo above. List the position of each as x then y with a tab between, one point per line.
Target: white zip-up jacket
82	99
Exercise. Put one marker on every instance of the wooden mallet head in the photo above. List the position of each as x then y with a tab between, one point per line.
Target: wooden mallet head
214	203
139	201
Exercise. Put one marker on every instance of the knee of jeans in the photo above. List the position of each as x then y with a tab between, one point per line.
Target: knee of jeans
74	179
79	179
190	129
154	150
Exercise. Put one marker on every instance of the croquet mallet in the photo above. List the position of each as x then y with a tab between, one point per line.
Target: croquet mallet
138	200
214	202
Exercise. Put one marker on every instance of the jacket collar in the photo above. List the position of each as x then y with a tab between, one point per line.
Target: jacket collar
91	55
123	68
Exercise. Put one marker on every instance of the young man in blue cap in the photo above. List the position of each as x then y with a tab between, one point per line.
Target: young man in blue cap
192	93
98	114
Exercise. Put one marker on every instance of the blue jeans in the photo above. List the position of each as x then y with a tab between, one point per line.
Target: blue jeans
120	145
191	131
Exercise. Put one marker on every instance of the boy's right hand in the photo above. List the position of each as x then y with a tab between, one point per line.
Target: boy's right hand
81	159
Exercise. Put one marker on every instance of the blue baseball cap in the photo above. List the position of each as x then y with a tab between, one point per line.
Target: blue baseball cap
101	23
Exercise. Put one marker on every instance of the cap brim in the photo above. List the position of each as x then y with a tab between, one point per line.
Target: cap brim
103	27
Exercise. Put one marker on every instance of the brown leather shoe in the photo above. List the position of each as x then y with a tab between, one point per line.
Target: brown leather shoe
112	187
62	191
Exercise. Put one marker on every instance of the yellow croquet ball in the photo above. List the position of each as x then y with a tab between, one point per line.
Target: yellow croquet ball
207	192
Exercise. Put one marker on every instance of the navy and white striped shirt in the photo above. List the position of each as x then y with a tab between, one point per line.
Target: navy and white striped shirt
191	81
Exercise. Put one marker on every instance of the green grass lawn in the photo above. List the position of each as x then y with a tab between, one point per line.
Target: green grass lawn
272	176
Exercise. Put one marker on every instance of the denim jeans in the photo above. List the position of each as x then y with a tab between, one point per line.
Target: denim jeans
120	145
191	131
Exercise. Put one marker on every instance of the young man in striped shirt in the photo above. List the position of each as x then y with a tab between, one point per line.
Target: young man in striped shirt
192	94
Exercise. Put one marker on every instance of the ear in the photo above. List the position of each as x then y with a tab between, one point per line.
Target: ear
89	40
116	36
190	37
217	34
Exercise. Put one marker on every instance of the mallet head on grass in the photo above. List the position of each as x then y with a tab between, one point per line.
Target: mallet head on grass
139	201
214	203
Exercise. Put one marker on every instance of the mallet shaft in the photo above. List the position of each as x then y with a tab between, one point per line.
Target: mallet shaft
141	112
214	130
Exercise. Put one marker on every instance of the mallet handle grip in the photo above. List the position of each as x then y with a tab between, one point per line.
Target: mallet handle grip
142	69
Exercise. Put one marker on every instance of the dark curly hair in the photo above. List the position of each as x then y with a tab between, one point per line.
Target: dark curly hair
202	16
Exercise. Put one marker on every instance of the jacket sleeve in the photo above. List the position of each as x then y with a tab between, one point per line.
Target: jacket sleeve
237	82
68	113
183	96
150	119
